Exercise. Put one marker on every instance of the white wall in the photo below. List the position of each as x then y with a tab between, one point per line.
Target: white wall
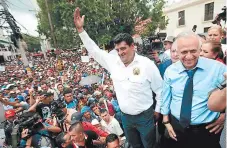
194	15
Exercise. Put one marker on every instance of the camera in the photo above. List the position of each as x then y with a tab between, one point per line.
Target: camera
152	43
56	108
29	121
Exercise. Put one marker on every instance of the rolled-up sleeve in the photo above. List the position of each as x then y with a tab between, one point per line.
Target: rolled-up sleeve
101	56
166	95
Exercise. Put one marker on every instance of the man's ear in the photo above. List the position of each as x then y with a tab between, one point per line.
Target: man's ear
132	46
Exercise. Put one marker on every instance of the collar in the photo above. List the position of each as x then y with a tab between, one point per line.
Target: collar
136	59
85	137
200	65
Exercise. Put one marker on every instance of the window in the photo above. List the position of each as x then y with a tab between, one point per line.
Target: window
205	30
181	18
209	11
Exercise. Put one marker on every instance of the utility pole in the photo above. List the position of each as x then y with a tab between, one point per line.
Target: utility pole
41	40
51	25
16	37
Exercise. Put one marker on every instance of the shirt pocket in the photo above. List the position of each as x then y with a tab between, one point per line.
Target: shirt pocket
136	84
117	78
118	81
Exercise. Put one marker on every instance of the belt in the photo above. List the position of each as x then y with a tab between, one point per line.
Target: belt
199	125
139	113
202	125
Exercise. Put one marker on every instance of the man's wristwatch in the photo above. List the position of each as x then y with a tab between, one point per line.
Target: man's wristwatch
166	122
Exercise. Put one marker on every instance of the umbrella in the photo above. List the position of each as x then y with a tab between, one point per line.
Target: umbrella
90	80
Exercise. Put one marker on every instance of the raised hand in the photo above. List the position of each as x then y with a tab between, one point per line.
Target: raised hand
78	20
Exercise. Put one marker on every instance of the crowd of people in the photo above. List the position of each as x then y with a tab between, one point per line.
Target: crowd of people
134	99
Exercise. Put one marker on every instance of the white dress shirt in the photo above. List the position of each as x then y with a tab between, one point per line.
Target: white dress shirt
133	84
113	127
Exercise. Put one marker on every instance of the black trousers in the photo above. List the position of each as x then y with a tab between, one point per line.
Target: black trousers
195	136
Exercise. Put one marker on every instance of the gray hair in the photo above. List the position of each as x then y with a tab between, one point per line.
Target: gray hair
187	34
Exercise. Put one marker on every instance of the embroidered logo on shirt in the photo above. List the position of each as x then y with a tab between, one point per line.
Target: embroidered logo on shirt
136	71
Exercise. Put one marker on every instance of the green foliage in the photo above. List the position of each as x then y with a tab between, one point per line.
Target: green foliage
103	18
157	17
32	42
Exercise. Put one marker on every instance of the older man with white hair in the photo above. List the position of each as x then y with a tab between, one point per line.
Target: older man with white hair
185	94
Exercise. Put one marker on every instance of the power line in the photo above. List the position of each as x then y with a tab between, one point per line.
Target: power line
16	36
24	4
32	4
13	4
16	20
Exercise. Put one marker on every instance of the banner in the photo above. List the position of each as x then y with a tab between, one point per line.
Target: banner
2	68
85	59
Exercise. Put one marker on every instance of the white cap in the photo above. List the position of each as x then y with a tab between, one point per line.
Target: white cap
94	122
96	93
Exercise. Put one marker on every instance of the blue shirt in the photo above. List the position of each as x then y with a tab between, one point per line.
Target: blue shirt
115	105
72	104
208	76
163	66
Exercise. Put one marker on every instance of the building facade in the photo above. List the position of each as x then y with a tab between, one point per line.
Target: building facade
186	14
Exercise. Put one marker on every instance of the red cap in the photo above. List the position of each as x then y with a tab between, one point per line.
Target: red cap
10	113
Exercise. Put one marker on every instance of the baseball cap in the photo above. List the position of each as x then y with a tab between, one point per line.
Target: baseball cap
10	113
47	94
94	122
12	92
96	93
76	117
20	98
169	39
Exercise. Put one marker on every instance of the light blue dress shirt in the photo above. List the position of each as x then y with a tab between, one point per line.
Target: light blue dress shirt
209	75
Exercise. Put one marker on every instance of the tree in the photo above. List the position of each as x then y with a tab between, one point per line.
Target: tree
158	19
104	18
33	43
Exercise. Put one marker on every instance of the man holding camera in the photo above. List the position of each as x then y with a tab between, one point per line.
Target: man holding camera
36	133
130	72
42	105
160	55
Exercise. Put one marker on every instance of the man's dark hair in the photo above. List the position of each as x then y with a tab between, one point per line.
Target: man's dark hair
103	110
67	91
43	83
59	85
111	138
75	124
114	95
123	37
60	139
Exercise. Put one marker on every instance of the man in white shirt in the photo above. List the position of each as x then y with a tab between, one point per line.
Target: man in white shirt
110	124
134	78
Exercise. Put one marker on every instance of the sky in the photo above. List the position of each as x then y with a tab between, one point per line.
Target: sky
24	12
